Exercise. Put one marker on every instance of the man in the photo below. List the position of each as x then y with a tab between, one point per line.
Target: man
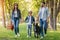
43	15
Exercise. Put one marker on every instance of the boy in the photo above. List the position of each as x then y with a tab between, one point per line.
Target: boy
29	19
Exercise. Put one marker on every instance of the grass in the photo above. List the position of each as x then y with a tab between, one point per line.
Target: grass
6	34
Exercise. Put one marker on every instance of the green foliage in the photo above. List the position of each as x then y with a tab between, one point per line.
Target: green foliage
23	6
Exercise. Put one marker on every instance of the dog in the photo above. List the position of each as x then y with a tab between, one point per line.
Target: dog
36	30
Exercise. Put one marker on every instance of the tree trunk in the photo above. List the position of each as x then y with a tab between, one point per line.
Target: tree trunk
3	13
51	3
54	14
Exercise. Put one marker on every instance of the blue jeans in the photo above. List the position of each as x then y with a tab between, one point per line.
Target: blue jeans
29	30
16	24
43	27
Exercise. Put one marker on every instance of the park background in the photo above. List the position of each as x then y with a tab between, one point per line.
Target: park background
6	7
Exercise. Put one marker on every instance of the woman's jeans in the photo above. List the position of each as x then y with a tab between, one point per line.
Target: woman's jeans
16	24
43	27
29	30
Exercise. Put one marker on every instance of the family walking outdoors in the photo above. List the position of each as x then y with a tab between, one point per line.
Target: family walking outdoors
42	20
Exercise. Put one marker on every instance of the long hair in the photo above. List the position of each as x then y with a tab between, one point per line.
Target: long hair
15	4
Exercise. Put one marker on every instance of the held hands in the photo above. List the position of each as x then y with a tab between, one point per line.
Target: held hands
21	20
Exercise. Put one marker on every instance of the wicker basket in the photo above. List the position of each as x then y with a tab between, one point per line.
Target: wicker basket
10	26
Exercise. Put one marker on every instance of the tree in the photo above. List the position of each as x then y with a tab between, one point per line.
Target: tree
3	13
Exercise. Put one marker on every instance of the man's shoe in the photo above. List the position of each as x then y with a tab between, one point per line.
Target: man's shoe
41	37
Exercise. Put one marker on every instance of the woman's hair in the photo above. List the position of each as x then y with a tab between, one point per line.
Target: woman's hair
15	4
43	2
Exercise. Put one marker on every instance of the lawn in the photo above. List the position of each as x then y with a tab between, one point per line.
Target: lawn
6	34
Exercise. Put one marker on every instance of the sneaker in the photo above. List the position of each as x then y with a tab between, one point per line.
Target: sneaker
41	37
45	35
18	34
27	36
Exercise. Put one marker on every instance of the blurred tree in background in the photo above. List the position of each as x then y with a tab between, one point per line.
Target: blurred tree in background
34	5
24	6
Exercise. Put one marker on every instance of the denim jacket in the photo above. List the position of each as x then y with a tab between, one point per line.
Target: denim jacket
18	13
46	13
32	19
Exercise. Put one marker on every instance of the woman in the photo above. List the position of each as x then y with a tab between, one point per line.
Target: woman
16	16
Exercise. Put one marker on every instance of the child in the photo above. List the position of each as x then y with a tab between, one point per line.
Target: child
29	19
